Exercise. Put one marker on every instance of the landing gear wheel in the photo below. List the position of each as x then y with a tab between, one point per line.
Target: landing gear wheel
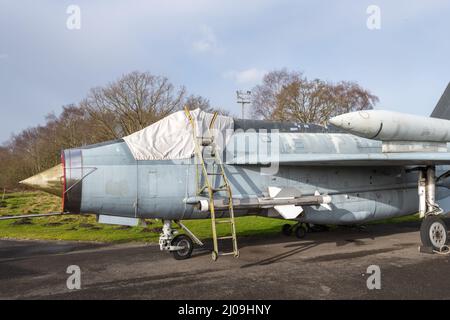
182	240
286	229
433	232
214	255
300	232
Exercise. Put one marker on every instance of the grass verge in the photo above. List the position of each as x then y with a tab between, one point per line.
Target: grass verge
86	228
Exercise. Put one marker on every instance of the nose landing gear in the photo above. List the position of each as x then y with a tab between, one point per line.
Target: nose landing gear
184	246
181	246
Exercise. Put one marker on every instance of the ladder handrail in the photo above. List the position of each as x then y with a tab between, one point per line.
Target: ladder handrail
230	202
208	184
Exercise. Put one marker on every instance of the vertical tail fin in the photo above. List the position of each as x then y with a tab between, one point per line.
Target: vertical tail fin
442	110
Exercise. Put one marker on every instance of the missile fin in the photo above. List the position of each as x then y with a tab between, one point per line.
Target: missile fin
274	191
289	211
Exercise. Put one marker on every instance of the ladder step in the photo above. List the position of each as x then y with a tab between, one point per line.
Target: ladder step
226	253
223	221
213	189
224	238
214	174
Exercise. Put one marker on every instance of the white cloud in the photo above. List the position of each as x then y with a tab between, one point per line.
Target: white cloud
250	76
207	42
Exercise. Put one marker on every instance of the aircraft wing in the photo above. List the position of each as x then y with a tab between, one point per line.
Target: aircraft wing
340	159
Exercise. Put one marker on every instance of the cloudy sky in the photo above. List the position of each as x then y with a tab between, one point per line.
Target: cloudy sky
214	47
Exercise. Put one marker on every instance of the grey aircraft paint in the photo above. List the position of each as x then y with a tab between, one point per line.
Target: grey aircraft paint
106	179
365	166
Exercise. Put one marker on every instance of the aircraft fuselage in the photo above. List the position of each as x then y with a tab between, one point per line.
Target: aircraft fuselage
107	180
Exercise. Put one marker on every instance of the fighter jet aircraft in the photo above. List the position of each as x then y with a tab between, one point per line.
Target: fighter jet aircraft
364	166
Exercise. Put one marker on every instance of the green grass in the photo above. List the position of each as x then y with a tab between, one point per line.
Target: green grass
85	228
409	218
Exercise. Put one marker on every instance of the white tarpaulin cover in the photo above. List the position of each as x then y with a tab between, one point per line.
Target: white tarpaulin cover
171	138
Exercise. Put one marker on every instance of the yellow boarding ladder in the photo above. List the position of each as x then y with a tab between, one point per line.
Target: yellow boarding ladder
208	185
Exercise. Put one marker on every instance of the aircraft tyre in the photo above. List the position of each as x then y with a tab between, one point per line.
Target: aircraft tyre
433	232
182	240
286	229
300	232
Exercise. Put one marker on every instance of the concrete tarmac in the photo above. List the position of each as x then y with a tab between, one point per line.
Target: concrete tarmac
324	265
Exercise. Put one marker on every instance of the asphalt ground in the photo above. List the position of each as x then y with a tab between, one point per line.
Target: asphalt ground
324	265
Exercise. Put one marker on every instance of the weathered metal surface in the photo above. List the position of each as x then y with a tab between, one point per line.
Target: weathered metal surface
410	146
122	186
125	221
391	159
363	182
264	125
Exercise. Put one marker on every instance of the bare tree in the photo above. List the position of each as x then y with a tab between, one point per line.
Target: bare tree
194	102
265	96
289	96
5	161
73	127
131	103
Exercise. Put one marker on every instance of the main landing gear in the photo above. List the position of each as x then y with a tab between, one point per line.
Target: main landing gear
182	245
433	231
299	229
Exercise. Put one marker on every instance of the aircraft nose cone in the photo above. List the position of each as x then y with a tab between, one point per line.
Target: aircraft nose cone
49	180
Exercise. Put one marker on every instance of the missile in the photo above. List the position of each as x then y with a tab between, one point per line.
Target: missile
393	126
286	204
